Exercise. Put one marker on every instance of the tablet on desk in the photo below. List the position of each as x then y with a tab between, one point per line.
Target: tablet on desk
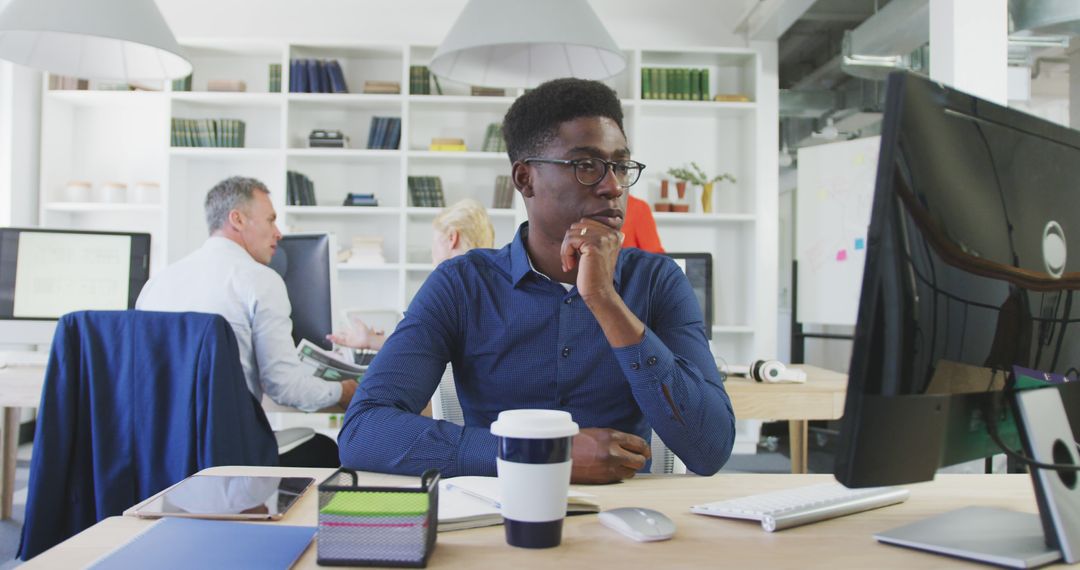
225	497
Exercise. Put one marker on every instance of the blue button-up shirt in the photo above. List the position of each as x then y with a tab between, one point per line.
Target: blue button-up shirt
516	339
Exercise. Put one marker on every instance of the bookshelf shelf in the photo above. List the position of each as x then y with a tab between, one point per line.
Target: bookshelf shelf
82	130
351	211
88	207
226	99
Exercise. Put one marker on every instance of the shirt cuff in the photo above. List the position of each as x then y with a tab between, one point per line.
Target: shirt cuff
476	452
646	361
333	396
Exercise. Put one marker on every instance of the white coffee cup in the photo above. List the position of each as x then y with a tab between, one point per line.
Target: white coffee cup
114	192
534	474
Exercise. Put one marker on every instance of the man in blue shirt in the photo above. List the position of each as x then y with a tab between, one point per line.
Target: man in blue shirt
561	318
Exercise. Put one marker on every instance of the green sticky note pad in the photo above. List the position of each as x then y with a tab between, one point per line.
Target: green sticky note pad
376	504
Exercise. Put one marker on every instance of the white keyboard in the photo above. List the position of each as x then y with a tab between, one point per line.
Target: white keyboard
793	507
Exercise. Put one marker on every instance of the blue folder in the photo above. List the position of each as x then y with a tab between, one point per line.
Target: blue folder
196	543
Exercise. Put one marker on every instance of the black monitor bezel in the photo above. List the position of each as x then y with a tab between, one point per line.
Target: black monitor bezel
136	279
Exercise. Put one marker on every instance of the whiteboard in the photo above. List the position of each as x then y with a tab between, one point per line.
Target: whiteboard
832	213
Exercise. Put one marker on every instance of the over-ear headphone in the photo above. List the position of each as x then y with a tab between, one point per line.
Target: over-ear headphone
774	371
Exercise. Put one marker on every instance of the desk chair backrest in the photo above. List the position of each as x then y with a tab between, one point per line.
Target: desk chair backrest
133	402
445	406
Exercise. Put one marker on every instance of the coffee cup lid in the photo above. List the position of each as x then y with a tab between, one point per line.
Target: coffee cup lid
534	424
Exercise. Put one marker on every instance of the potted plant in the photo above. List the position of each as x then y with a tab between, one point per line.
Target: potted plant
695	175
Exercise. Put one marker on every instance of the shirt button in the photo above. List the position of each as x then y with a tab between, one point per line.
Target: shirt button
565	351
651	361
568	300
634	366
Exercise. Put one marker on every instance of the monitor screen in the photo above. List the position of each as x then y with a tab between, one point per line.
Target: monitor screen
47	273
306	262
698	269
968	276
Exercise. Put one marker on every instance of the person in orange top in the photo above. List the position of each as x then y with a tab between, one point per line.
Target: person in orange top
639	227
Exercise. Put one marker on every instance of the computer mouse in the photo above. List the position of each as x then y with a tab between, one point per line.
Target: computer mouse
642	525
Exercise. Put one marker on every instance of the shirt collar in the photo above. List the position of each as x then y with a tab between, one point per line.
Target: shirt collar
521	265
227	245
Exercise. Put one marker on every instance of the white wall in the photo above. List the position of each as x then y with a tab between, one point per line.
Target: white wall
637	23
20	130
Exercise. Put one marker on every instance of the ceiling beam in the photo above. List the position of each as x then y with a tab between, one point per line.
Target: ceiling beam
767	20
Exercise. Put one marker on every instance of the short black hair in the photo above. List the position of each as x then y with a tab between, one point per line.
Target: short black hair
533	120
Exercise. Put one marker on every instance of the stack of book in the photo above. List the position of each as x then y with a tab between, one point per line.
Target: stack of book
426	192
182	84
675	83
447	143
357	199
488	91
382	87
419	80
385	133
208	132
316	76
366	250
504	192
275	78
227	85
65	82
493	138
299	189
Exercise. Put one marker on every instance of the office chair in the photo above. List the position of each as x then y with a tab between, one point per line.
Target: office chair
133	402
445	406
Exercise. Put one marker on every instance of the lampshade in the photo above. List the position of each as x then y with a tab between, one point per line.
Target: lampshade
91	39
522	43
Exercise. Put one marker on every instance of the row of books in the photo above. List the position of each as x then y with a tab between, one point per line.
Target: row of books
384	133
299	189
420	80
66	82
504	192
426	192
675	83
493	139
228	133
182	84
357	199
275	78
316	76
447	144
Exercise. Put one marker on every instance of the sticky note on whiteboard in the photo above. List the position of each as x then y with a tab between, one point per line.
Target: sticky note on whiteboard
860	243
841	255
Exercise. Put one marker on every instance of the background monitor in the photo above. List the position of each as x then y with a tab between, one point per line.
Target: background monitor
46	273
307	263
699	270
968	275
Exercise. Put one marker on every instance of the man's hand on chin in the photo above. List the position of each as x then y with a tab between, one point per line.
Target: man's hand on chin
603	455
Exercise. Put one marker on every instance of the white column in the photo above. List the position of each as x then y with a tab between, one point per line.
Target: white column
6	88
969	46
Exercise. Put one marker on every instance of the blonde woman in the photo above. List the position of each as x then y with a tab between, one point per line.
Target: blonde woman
458	228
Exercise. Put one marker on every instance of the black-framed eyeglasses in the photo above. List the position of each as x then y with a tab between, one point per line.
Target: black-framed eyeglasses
591	171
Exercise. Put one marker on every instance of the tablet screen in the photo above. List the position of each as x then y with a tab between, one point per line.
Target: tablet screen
233	497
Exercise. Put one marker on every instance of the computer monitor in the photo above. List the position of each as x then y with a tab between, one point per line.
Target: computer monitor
968	281
307	263
698	269
46	273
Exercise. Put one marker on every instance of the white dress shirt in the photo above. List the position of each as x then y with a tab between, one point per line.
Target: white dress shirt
222	278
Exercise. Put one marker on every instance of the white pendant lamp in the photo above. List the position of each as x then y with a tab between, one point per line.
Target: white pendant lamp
120	40
522	43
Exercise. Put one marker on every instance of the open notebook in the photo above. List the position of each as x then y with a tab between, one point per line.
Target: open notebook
470	502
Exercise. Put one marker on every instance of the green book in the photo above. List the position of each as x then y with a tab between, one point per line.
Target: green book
706	93
695	85
663	91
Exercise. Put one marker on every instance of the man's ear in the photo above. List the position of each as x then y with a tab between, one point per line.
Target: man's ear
236	219
522	177
453	239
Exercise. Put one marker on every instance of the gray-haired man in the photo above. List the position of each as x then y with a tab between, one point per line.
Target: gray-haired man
228	275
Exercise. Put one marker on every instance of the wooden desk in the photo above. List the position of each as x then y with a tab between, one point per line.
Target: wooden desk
821	397
699	542
20	387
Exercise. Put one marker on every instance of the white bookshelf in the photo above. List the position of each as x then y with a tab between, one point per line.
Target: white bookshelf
101	136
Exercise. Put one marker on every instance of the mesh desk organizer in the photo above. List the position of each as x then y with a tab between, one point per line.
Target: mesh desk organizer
377	526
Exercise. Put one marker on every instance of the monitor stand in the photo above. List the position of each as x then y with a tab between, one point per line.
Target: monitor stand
1008	538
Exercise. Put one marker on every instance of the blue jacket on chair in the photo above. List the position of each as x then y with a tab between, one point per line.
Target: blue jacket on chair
133	402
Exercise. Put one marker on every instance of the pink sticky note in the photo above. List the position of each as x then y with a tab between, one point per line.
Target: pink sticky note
841	255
